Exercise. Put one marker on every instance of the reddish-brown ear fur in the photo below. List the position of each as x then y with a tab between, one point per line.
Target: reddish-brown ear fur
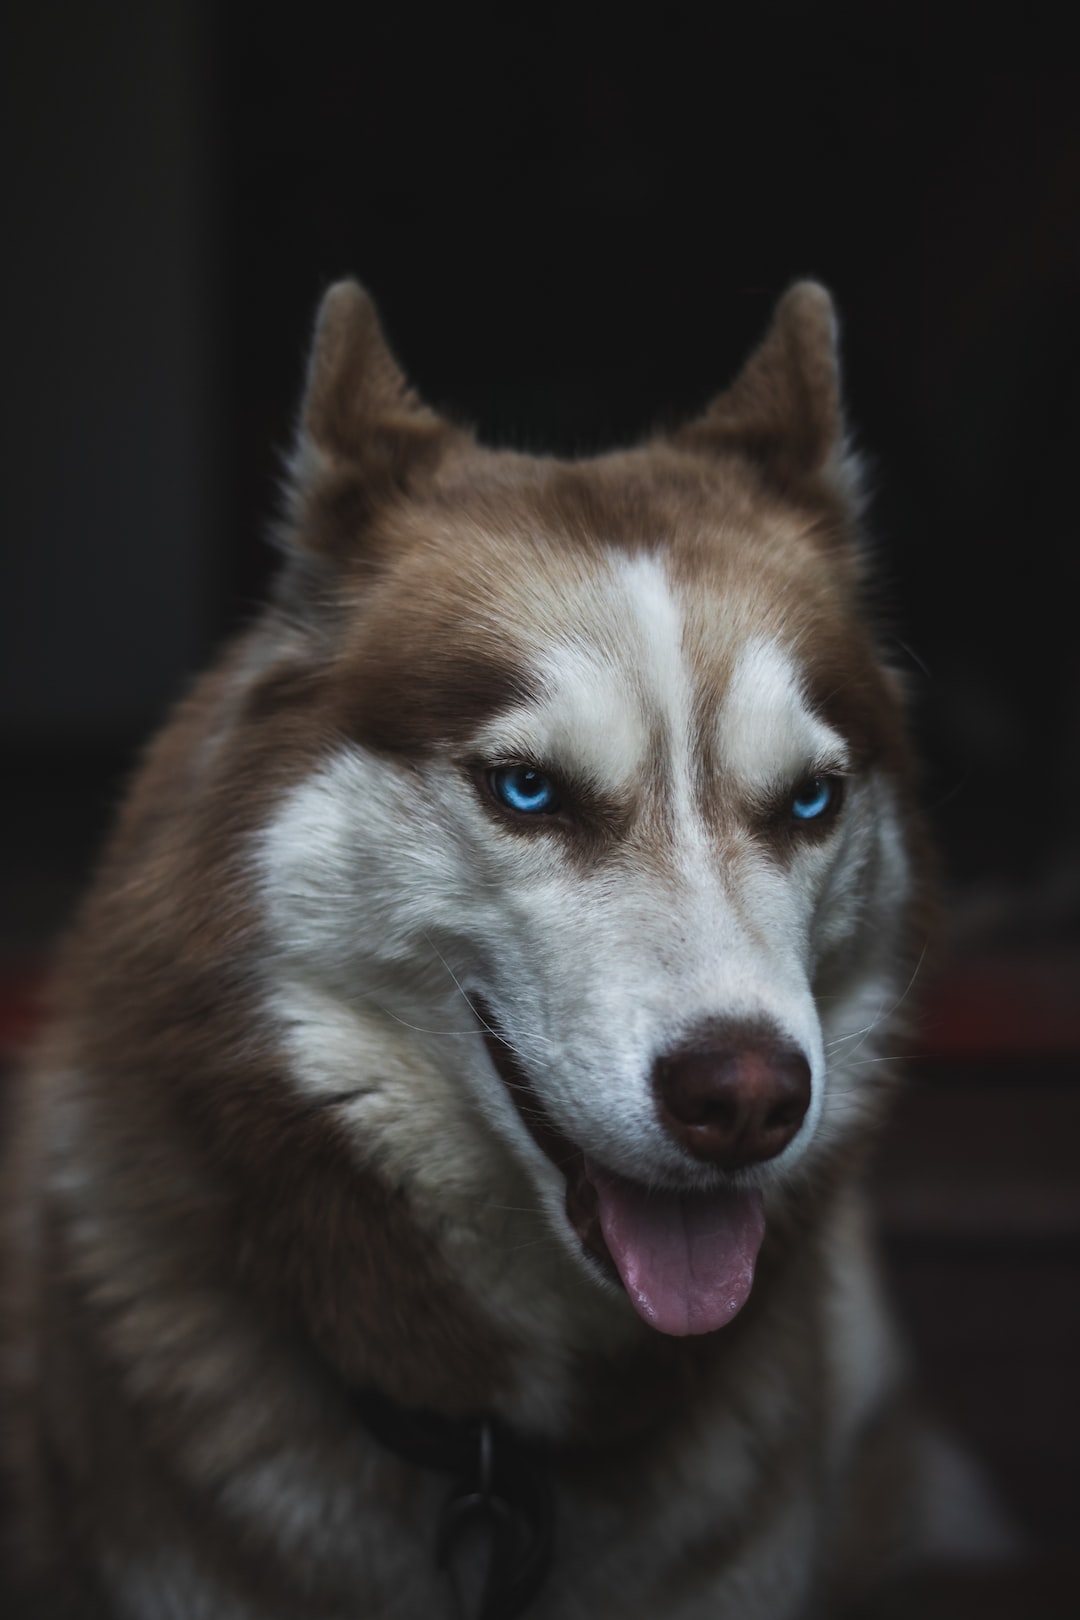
783	410
355	388
364	434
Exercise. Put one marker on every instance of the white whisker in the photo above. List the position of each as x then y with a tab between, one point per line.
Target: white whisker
880	1017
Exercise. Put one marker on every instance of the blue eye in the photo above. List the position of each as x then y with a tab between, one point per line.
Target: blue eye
525	789
813	798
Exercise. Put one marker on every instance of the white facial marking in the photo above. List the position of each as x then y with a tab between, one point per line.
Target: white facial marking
769	737
587	721
661	662
609	683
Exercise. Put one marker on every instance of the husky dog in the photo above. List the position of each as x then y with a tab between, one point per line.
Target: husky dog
438	1182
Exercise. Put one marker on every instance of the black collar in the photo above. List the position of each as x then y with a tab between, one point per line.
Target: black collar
500	1500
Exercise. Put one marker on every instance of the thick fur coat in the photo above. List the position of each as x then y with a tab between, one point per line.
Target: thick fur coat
486	999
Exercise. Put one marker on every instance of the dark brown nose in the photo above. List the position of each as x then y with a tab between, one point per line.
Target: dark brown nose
736	1097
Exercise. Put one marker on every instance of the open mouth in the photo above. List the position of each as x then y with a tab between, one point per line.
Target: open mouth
685	1259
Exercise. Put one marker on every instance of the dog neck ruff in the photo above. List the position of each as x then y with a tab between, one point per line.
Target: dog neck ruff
495	1533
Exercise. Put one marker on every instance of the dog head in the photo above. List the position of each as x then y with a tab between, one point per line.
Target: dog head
614	819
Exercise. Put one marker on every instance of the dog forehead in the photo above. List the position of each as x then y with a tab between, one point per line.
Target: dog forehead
635	686
583	630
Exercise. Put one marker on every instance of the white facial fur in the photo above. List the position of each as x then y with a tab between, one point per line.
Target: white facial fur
397	895
768	736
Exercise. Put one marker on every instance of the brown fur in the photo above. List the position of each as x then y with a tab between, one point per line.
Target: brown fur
198	1271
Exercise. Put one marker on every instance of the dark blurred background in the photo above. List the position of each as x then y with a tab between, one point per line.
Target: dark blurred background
576	222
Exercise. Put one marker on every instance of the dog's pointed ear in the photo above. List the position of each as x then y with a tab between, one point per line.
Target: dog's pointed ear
357	405
364	436
784	409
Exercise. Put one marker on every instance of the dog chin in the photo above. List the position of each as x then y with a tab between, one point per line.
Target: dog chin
684	1257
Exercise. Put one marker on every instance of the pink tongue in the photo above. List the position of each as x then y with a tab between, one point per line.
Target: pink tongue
686	1259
